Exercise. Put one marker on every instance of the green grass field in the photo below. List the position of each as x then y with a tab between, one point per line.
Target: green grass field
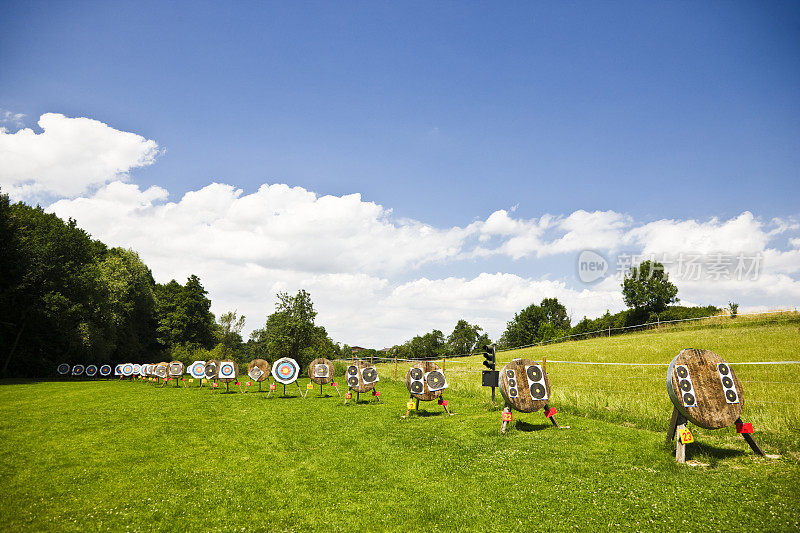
109	455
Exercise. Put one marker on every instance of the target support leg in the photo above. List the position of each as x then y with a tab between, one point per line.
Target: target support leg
673	424
504	423
300	390
551	417
358	397
337	391
446	410
748	437
680	447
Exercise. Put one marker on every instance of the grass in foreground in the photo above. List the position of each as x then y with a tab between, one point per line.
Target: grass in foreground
105	455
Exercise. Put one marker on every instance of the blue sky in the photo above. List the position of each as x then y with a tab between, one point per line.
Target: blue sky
442	112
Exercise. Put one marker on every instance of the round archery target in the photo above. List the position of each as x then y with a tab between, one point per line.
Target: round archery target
435	380
524	385
161	370
285	370
321	371
704	389
77	370
63	369
424	381
175	368
118	370
370	375
197	369
137	369
352	376
361	376
227	371
259	370
91	370
127	369
105	370
211	369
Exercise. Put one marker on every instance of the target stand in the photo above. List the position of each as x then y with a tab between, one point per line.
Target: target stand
322	372
425	382
704	390
525	387
361	378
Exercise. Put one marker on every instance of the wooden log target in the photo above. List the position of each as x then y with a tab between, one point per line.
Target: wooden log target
176	369
228	371
264	367
704	389
524	385
321	371
162	370
212	369
418	385
361	376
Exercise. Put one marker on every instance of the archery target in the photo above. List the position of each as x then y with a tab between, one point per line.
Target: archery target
176	368
77	370
285	370
416	385
686	387
161	371
255	373
63	369
137	369
728	386
227	370
211	369
91	370
352	376
105	370
143	370
151	370
127	369
118	370
321	371
536	384
435	380
511	376
197	369
370	375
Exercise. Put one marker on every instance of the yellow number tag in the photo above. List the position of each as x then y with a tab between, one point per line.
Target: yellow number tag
205	380
310	386
191	380
686	436
410	405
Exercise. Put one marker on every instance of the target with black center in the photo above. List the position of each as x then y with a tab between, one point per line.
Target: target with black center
105	371
285	370
228	371
321	371
704	389
525	385
211	369
63	369
421	377
361	376
255	373
91	371
435	380
197	369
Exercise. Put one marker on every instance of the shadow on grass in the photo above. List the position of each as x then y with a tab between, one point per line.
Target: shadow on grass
425	414
528	427
713	452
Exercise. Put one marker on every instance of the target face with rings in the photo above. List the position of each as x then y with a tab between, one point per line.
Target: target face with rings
105	370
77	370
524	385
370	375
435	380
321	371
285	370
118	370
176	368
127	369
211	369
728	386
536	384
425	381
137	369
91	370
416	373
352	376
255	373
63	369
197	369
227	370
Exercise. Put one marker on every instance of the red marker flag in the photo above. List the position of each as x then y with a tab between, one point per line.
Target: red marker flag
742	427
550	412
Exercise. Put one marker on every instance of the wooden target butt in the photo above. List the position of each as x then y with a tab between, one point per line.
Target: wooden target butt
318	375
426	395
516	388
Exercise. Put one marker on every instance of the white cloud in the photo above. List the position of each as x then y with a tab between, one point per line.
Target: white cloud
69	157
9	117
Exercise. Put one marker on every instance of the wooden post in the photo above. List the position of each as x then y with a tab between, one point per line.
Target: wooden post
609	332
444	361
750	440
673	424
680	447
395	367
504	423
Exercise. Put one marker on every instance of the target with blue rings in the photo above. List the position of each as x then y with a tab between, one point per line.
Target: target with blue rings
137	369
105	371
77	370
285	370
227	371
127	369
91	370
198	369
63	369
118	370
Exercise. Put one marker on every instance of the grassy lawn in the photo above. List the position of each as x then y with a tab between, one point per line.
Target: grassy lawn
109	455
